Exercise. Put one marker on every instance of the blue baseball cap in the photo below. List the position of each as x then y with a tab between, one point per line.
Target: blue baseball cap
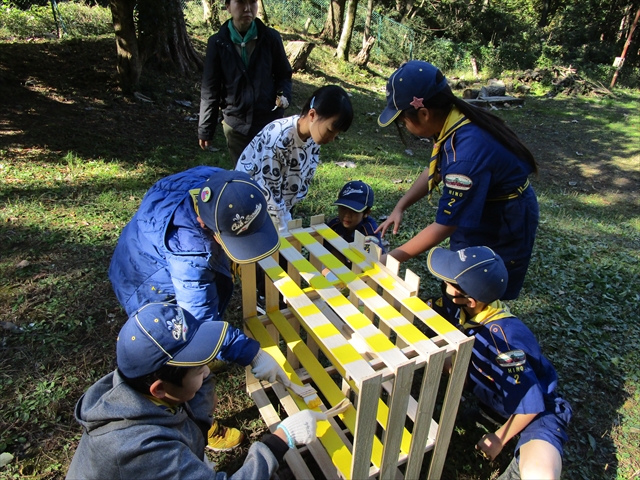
161	334
232	205
479	271
356	195
409	86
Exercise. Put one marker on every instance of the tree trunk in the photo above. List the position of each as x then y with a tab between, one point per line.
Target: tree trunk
163	37
624	50
363	57
342	52
367	27
298	52
262	12
211	13
129	64
544	15
335	16
408	7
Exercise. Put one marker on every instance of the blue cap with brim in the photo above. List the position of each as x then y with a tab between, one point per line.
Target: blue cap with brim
356	195
479	271
232	205
161	334
409	87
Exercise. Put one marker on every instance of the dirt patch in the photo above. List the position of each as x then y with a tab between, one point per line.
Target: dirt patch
61	97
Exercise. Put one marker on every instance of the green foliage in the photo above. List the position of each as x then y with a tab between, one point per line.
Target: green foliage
78	18
15	22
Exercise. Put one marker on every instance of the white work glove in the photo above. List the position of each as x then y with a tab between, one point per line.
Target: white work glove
301	427
281	101
264	367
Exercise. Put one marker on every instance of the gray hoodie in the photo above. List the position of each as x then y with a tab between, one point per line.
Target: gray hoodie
126	436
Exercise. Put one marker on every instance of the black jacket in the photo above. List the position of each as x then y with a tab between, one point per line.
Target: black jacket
246	95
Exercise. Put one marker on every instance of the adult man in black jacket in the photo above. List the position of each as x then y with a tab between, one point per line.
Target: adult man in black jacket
247	74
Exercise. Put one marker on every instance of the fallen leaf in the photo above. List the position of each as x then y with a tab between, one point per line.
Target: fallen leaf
142	98
5	459
9	326
592	442
579	154
572	184
184	103
347	164
23	264
409	152
397	181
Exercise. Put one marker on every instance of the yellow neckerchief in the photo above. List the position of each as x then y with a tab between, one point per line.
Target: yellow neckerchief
492	312
162	404
454	121
194	196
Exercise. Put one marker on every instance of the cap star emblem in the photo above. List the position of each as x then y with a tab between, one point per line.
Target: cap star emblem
417	103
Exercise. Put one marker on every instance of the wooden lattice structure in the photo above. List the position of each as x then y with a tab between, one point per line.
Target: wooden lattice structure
355	338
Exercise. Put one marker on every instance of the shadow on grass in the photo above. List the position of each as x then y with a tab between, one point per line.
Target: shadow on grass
61	97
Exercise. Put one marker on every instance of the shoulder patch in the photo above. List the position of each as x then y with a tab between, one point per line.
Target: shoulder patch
512	358
458	181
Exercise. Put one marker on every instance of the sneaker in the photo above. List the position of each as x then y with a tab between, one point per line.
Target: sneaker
222	439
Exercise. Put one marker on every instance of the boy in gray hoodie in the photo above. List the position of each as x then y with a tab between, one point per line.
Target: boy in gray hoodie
150	417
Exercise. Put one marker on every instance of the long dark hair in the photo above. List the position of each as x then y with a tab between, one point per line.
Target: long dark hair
442	102
330	101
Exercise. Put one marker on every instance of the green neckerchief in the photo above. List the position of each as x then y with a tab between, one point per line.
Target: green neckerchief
454	121
492	312
236	38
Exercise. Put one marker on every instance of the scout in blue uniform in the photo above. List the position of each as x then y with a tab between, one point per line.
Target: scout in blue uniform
479	163
508	373
177	247
354	202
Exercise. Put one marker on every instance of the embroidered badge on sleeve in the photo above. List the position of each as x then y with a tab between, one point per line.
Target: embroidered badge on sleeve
458	181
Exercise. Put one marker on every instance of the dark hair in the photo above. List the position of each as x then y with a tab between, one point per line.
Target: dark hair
166	373
441	104
330	101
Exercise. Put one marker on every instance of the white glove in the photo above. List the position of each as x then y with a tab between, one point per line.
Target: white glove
264	367
301	427
281	101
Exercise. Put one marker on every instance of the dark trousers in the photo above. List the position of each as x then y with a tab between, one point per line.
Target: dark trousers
236	142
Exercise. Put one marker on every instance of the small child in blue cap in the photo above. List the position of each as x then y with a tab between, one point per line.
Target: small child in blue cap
508	372
150	417
354	206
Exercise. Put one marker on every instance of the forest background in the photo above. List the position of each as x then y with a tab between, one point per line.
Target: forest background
87	126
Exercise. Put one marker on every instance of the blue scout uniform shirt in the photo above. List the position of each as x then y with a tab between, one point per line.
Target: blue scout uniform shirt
367	227
499	374
478	172
163	254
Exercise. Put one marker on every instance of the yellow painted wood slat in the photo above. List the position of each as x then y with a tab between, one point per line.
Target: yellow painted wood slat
408	332
324	382
339	453
334	346
384	278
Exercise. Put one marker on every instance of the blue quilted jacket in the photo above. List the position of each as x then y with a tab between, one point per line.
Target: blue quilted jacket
163	254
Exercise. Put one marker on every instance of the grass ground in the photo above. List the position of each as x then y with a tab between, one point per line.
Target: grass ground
76	157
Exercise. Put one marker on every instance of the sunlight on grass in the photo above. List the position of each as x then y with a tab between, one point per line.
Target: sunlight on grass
62	211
